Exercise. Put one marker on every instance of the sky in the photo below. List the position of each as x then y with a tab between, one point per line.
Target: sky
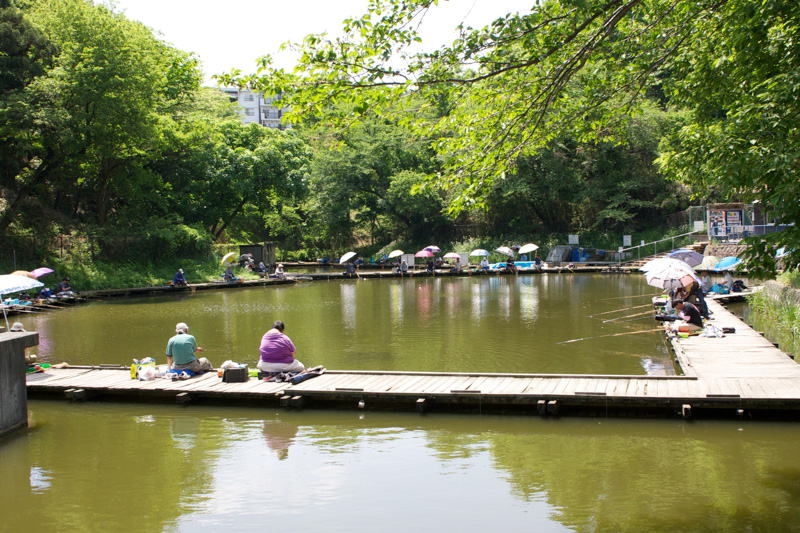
235	33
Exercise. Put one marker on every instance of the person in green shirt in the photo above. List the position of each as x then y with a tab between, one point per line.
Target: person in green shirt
181	349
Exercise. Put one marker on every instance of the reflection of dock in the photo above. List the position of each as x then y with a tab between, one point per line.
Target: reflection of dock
741	374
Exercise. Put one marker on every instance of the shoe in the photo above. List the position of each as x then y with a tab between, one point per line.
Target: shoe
183	375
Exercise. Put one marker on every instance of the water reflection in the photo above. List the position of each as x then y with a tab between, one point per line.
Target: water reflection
345	471
279	436
347	291
478	324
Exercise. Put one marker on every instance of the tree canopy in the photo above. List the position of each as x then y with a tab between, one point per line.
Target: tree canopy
584	67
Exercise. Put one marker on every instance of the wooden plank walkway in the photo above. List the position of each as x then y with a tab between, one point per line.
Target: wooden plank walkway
741	374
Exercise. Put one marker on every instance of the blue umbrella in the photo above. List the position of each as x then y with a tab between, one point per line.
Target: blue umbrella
727	263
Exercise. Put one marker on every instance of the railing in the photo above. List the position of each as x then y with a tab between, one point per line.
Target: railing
654	244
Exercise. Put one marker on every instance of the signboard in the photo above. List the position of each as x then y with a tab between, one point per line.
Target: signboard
699	225
626	240
572	239
734	218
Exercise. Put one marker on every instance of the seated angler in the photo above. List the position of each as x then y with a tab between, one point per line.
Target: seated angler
690	314
277	351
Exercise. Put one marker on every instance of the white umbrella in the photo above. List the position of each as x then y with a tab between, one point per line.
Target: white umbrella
14	283
661	262
690	257
395	253
530	247
505	250
452	255
346	257
479	252
433	248
708	263
671	276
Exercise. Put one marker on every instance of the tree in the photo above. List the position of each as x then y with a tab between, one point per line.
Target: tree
89	126
579	66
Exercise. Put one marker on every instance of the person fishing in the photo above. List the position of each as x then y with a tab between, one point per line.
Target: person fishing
181	349
277	351
690	314
179	280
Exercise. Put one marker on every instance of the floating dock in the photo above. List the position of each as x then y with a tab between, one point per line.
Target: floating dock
739	375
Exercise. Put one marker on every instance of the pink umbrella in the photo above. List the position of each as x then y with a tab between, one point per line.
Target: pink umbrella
424	253
39	272
452	255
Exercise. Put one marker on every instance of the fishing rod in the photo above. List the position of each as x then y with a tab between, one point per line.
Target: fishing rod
650	313
618	310
632	296
611	335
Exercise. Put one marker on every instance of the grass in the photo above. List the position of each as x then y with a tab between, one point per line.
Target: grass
783	312
96	275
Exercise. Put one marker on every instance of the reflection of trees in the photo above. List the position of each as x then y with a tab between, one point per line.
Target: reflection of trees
652	476
101	473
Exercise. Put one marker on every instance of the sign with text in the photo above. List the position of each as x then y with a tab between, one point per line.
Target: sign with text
626	240
572	239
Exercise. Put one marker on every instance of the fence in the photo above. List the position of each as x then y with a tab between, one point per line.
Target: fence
627	253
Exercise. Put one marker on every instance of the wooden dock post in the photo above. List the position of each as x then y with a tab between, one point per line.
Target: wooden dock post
552	407
422	406
686	411
77	395
541	407
286	401
298	401
183	398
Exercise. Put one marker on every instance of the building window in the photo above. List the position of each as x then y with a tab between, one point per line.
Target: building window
248	97
249	111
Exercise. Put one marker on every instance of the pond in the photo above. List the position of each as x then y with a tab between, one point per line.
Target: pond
475	324
131	467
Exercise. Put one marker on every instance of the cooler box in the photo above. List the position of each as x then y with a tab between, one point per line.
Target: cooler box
235	375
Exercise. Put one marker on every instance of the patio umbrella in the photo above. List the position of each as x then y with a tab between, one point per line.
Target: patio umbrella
671	276
395	253
229	258
505	250
14	283
708	262
530	247
452	255
39	272
433	248
660	262
690	257
727	263
346	257
479	252
424	253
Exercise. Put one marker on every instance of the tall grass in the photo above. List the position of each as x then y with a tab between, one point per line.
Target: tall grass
784	313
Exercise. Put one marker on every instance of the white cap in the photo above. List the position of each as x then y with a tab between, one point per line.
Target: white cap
181	327
17	326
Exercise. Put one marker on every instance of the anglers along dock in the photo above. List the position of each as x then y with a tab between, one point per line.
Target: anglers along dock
741	374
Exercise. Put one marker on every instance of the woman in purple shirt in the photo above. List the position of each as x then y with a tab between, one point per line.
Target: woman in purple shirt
277	352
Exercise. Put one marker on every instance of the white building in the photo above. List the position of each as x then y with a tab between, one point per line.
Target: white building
254	107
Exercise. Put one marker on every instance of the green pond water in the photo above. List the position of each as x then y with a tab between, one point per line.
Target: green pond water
151	467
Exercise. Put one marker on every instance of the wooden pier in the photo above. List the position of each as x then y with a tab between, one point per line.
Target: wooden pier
741	374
